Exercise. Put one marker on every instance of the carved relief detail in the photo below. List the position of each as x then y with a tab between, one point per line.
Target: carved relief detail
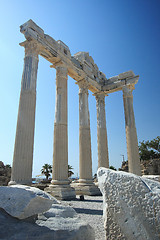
127	91
83	86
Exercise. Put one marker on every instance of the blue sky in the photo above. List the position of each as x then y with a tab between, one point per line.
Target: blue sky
120	35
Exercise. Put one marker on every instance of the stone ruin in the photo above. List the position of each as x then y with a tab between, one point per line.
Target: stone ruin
148	167
5	174
131	203
82	68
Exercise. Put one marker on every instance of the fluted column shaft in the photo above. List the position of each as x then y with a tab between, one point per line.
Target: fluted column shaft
85	158
60	151
103	159
131	133
24	141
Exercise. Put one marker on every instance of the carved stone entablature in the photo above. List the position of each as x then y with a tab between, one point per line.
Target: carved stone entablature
80	65
30	29
64	49
117	83
88	66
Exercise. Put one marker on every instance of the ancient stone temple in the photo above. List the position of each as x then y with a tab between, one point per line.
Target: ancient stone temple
84	71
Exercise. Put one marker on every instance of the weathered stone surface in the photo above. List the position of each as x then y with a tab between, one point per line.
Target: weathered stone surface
23	201
150	167
152	177
131	132
61	192
86	189
57	223
131	206
103	158
124	75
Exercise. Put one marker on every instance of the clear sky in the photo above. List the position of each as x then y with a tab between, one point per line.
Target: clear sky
120	35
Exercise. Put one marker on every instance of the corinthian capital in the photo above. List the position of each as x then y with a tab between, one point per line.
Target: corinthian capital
83	86
127	91
31	48
100	96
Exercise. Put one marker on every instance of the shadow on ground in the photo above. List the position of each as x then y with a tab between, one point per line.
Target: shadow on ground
88	211
88	200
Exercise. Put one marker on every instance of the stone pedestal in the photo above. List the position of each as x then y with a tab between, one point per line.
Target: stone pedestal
60	186
131	133
89	189
24	141
85	186
103	159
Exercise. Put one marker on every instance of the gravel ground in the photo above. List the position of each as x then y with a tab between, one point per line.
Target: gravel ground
90	211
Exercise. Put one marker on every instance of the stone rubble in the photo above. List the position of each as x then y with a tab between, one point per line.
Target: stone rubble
23	201
58	222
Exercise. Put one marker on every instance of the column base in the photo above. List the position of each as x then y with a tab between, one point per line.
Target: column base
61	191
28	183
86	188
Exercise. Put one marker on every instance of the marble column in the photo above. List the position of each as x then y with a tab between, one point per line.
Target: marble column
131	133
85	185
103	159
24	141
85	157
60	186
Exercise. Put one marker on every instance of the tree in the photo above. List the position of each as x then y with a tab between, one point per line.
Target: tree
113	168
46	170
70	173
150	149
8	166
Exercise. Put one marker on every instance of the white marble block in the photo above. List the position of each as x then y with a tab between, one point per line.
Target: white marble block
131	205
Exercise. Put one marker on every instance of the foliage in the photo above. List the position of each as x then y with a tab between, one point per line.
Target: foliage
113	168
150	149
8	166
70	173
46	170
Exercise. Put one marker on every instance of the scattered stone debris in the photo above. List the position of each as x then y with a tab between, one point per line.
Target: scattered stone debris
43	217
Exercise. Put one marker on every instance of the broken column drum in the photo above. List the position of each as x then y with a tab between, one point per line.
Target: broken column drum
82	69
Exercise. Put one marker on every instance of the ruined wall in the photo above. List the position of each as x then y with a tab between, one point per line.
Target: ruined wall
148	167
5	174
